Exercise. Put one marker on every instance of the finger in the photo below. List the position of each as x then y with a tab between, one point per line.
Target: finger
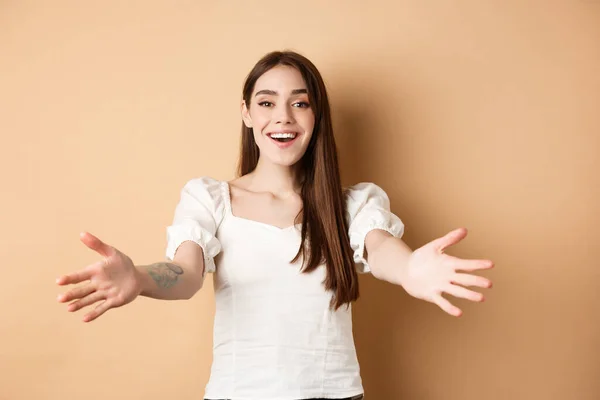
447	306
459	291
449	239
471	265
97	311
85	274
471	280
75	277
76	293
96	244
86	301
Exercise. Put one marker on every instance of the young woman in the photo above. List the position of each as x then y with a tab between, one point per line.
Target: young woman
284	241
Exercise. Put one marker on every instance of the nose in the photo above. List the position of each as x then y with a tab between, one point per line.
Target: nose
283	114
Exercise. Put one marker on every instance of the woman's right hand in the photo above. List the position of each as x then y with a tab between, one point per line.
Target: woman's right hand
113	281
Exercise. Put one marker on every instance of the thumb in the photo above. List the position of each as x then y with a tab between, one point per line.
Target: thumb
96	244
450	239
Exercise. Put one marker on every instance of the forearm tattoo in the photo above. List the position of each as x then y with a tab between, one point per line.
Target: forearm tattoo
164	274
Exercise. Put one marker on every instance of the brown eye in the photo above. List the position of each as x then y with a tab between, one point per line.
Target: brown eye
265	104
301	104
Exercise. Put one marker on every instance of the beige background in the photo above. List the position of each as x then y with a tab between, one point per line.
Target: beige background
483	114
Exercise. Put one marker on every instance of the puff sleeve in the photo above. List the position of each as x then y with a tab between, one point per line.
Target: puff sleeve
368	208
197	218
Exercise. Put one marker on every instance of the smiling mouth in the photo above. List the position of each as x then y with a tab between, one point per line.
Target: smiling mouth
283	137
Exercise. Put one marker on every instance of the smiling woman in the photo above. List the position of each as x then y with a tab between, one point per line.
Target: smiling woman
290	242
285	94
279	110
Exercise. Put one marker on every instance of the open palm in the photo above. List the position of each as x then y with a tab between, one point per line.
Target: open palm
112	281
430	273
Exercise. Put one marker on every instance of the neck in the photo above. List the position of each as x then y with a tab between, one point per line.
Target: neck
274	178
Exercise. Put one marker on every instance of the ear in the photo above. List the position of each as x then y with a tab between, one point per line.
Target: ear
246	115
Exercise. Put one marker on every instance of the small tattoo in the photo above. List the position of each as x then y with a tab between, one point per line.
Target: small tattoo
164	274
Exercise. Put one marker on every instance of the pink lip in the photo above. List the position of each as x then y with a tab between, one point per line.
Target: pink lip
284	145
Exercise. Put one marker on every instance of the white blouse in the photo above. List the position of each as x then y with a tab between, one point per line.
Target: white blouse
275	337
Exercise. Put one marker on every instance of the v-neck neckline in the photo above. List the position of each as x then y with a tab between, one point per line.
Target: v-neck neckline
229	210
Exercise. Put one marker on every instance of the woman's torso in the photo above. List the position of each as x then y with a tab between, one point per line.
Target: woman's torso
275	336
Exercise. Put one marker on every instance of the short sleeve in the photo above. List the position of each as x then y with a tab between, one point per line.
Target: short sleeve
197	218
368	208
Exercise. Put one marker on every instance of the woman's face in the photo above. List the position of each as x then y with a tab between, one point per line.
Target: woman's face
280	116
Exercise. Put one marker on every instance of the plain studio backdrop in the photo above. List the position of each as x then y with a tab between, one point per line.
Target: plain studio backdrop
482	114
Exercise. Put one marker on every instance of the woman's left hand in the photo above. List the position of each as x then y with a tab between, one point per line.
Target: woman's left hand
430	272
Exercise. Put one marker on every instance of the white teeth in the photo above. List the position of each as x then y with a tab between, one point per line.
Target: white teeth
282	135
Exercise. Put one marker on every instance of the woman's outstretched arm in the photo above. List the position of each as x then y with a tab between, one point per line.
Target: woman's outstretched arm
427	272
115	281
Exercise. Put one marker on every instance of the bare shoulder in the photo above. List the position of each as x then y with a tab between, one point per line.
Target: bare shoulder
240	186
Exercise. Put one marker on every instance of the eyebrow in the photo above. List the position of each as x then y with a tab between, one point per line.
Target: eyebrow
274	93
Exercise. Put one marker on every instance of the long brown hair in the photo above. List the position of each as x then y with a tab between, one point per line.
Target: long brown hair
324	226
